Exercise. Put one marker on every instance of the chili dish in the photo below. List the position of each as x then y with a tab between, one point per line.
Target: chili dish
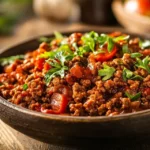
83	74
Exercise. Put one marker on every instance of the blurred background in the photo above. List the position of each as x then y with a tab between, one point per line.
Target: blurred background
23	19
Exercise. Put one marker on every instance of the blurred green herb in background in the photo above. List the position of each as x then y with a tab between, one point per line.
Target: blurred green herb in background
11	11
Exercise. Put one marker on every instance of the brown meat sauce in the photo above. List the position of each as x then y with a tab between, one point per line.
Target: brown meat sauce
86	91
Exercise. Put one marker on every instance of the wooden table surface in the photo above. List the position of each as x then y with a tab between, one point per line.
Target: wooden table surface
11	139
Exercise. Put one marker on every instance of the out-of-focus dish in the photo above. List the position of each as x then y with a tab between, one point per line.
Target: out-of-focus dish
88	74
133	15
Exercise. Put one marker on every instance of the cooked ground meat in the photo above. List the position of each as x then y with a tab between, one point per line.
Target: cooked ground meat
87	74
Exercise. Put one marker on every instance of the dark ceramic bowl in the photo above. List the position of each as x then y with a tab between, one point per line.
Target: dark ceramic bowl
69	129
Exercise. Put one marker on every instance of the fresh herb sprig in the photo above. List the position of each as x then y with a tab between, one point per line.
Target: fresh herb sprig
8	60
107	72
144	63
92	38
127	74
25	87
133	97
57	60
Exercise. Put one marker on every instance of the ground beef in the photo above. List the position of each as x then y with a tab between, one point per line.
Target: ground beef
76	86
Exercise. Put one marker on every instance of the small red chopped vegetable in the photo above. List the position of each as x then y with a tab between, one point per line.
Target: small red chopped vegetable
77	71
47	66
107	55
40	63
58	103
146	52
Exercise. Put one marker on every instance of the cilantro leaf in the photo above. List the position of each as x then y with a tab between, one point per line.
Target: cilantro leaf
107	72
135	55
79	51
102	39
25	87
144	64
110	44
127	74
137	77
57	60
133	97
88	41
53	72
125	49
8	60
121	38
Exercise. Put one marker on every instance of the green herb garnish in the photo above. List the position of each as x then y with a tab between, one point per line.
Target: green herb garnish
135	55
125	49
56	71
133	97
137	77
57	60
144	64
90	39
107	72
25	87
127	74
8	60
144	44
110	44
121	38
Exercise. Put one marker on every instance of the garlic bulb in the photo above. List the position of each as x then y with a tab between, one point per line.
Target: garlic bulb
53	9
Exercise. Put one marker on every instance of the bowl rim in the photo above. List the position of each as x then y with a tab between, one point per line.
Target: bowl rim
68	118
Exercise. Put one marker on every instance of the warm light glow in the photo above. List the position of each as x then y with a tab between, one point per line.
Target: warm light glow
131	5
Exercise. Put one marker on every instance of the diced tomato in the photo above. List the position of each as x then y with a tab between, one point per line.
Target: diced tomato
146	52
65	90
146	91
107	55
87	73
47	66
58	103
77	71
40	63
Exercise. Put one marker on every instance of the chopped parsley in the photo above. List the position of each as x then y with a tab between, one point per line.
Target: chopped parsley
57	60
92	38
144	64
135	55
127	74
9	60
133	97
125	49
25	87
107	72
